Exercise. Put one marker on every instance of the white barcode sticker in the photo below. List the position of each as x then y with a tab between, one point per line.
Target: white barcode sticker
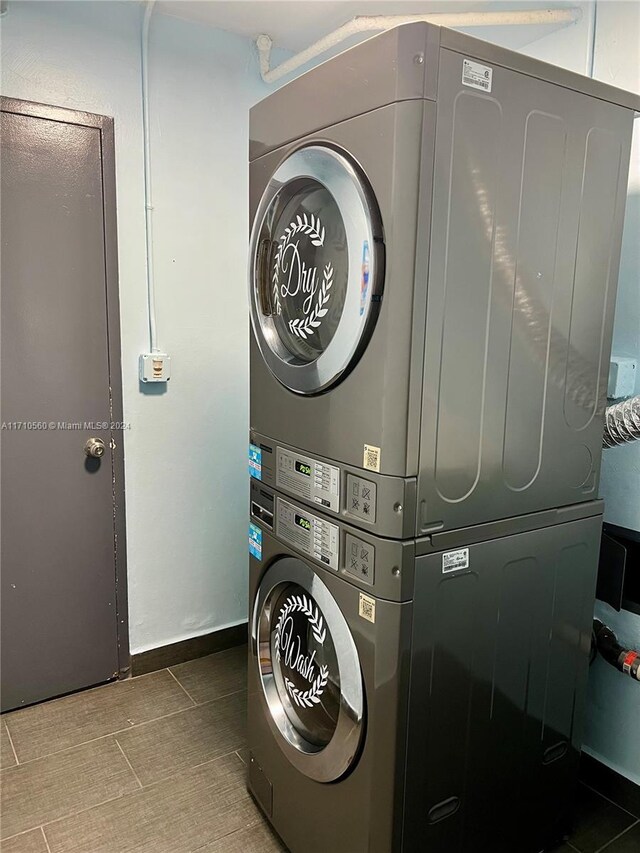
454	560
367	608
371	459
477	76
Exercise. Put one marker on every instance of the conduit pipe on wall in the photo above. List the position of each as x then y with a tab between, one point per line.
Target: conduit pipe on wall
376	23
148	199
622	423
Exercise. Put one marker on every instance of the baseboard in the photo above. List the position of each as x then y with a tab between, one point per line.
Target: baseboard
196	647
610	784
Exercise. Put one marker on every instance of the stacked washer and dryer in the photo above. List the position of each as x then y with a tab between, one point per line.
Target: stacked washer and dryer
434	256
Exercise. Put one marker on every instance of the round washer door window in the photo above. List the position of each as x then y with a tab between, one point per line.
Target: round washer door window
309	671
316	269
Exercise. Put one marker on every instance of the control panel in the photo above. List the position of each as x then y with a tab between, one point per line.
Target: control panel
315	481
378	503
312	535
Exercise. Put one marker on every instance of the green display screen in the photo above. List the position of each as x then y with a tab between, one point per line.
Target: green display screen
303	468
301	521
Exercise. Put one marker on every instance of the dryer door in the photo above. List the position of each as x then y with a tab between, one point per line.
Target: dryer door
309	669
316	269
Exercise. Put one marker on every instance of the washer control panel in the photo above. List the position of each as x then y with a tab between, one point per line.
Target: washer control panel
314	536
314	481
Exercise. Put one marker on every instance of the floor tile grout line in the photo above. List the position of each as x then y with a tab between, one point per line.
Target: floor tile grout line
617	837
193	767
46	840
84	810
68	815
613	802
124	755
121	731
118	797
18	834
181	685
15	754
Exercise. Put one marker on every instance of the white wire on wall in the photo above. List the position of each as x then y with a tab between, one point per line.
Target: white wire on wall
148	199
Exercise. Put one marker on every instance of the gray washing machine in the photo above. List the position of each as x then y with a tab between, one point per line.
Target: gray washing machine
433	267
424	695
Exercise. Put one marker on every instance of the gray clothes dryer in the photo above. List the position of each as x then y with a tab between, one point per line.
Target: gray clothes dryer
436	228
423	696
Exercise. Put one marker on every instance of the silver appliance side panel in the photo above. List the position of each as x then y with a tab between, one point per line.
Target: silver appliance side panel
528	205
500	660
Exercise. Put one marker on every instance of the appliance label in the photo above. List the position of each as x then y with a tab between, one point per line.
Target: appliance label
452	561
255	462
310	479
371	460
255	541
477	76
367	607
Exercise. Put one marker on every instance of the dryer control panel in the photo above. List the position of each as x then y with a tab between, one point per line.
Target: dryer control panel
313	480
314	536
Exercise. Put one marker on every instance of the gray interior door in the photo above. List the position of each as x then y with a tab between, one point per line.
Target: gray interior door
59	620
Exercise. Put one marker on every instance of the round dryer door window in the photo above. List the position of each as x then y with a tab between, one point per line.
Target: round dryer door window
309	670
316	269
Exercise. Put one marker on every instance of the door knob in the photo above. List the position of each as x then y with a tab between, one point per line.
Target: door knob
95	447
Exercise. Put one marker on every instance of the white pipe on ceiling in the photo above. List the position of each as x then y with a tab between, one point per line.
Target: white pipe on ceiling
375	23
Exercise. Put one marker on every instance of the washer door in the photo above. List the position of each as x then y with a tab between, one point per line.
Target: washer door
316	261
309	669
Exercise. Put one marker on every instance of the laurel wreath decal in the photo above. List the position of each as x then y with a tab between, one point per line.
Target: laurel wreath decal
309	698
301	604
304	327
313	228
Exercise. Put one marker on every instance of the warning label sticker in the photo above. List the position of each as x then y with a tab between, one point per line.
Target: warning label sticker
255	541
371	460
367	607
452	561
476	75
255	462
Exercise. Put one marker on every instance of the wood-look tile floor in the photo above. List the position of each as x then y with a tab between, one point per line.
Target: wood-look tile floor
155	764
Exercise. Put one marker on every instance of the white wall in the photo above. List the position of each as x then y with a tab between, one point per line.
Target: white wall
185	453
